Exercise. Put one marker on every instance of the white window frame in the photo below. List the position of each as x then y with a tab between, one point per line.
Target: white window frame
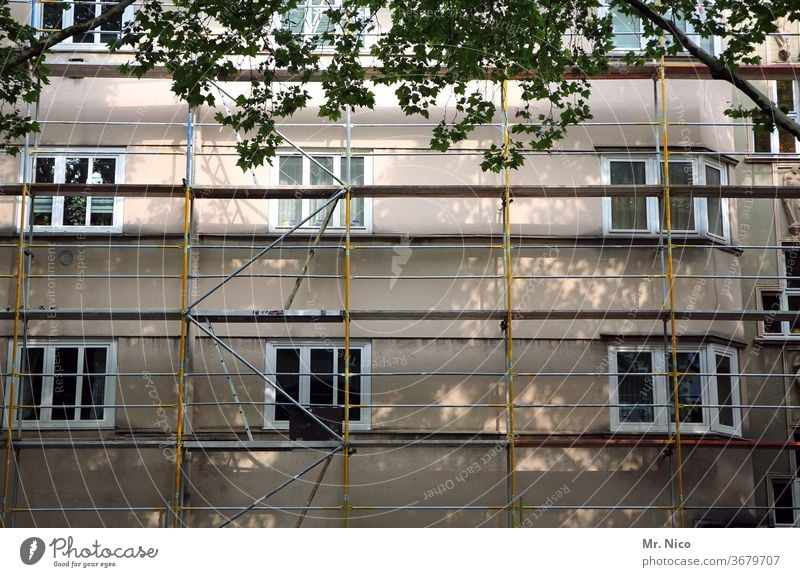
338	217
662	384
784	292
308	24
775	143
60	155
716	42
795	499
49	346
68	15
653	177
305	347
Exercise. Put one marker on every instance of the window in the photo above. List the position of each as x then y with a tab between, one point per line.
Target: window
77	213
628	34
310	19
58	15
783	298
297	170
642	394
641	216
65	385
313	375
786	94
784	497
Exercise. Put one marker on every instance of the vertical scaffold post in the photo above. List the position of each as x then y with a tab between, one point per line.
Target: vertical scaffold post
182	347
673	369
347	272
509	330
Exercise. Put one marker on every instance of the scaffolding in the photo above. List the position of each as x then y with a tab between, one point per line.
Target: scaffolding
196	321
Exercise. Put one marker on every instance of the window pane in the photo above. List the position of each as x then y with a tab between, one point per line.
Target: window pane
628	213
43	210
682	208
762	141
44	170
791	259
102	211
286	361
321	391
290	170
771	301
690	388
289	211
627	31
786	141
84	12
74	211
52	17
785	90
783	501
356	179
355	382
356	169
104	171
624	172
30	388
635	386
93	389
714	205
797	452
64	385
794	306
76	170
112	28
316	204
294	20
318	176
724	390
715	216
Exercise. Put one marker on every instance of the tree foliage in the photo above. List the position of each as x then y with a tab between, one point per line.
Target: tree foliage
451	53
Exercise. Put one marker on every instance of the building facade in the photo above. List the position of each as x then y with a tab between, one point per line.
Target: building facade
370	333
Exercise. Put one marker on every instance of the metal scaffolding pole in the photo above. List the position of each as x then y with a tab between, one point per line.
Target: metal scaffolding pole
508	322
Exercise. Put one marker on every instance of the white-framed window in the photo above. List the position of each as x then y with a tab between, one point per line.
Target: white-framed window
77	213
54	16
65	384
641	393
309	19
697	216
783	297
312	373
299	170
787	96
784	498
628	32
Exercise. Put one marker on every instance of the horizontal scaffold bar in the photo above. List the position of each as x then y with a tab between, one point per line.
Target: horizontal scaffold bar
431	440
336	316
399	191
675	69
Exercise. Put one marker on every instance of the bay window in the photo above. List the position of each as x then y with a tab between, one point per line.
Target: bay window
642	216
641	391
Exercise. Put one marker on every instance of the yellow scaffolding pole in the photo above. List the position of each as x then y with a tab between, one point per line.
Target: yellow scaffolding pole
673	370
14	355
509	331
347	272
182	351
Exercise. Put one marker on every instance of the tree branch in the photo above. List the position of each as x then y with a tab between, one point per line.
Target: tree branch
54	38
718	69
